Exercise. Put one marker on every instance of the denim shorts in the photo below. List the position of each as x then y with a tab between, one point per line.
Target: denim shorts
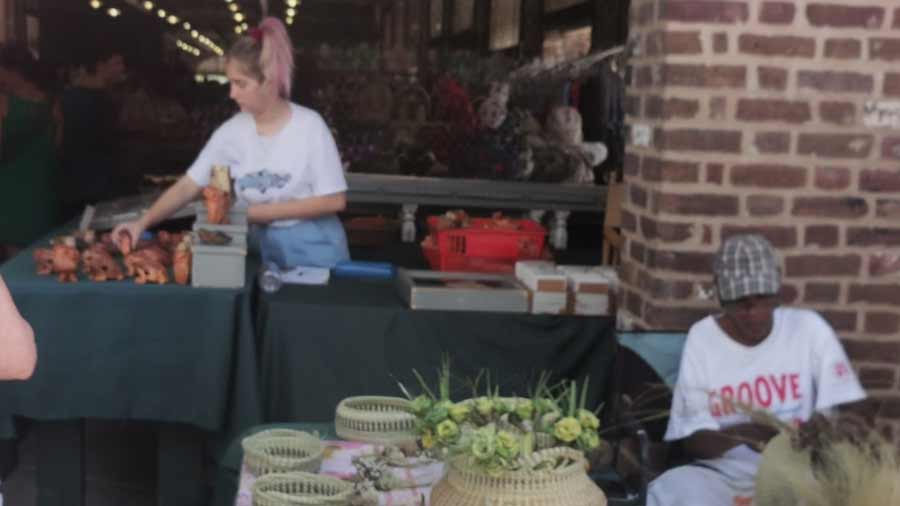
319	242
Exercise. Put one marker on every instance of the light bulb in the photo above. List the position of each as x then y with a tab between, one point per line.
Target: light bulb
96	4
148	5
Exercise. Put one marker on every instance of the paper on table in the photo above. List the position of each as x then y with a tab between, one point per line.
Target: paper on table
303	275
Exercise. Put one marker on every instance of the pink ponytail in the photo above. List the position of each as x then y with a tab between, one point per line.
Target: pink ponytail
267	53
277	56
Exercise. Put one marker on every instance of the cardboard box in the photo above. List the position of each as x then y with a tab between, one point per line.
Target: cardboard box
541	276
547	287
592	289
461	291
548	302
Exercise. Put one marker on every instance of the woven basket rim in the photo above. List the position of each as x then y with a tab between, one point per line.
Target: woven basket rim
394	425
344	489
261	462
576	466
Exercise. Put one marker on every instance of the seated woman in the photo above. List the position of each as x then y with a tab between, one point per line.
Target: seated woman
28	134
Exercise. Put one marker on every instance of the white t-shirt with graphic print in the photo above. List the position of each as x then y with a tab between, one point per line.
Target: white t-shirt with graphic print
800	368
300	161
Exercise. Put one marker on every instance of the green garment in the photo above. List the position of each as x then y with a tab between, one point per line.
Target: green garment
28	167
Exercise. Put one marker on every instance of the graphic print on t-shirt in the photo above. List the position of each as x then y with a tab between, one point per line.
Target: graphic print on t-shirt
262	181
781	394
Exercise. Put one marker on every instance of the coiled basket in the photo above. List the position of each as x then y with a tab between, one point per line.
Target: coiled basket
566	486
298	488
376	420
282	450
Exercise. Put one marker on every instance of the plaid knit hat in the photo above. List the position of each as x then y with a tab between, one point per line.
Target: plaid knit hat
746	265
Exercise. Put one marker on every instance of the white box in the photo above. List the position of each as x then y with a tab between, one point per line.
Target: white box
541	276
592	289
548	302
218	266
547	292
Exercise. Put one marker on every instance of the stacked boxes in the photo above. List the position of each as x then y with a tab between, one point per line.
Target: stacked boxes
568	289
222	266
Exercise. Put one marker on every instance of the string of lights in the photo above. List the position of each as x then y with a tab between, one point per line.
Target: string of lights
238	17
167	17
290	11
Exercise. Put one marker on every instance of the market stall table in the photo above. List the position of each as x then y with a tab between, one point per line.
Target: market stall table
320	344
180	356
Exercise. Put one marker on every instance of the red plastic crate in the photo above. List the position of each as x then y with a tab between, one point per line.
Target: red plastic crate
481	247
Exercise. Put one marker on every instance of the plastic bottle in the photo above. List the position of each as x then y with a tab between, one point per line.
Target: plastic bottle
270	278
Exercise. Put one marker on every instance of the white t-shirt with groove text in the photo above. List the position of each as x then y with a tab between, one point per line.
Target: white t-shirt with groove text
798	369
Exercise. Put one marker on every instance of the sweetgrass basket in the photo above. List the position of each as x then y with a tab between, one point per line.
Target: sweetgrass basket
299	488
566	486
376	420
282	450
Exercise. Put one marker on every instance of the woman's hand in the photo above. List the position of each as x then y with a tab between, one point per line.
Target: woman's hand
125	236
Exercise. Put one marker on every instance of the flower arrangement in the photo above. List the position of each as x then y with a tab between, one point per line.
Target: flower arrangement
565	416
494	433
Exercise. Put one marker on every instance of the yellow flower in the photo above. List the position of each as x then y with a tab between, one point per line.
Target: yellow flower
507	445
588	420
447	431
427	440
588	440
459	412
484	406
525	409
567	430
484	445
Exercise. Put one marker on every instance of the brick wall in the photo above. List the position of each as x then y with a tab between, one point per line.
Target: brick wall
757	115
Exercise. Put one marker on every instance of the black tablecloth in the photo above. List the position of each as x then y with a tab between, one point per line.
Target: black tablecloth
320	344
124	351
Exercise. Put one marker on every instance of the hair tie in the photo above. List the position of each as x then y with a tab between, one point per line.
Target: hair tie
256	34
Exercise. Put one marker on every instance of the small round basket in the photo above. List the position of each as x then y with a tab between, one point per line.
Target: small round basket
376	420
298	488
282	450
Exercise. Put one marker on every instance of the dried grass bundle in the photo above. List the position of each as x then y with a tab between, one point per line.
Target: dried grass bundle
828	464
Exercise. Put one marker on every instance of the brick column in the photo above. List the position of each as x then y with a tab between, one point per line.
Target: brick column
775	117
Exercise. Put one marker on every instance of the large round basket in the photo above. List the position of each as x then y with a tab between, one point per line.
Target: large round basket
567	486
377	420
282	450
297	488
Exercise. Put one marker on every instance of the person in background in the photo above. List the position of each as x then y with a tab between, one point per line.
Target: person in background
91	140
29	121
282	157
754	355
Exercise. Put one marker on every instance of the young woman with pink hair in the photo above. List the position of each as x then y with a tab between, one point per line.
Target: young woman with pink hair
282	156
